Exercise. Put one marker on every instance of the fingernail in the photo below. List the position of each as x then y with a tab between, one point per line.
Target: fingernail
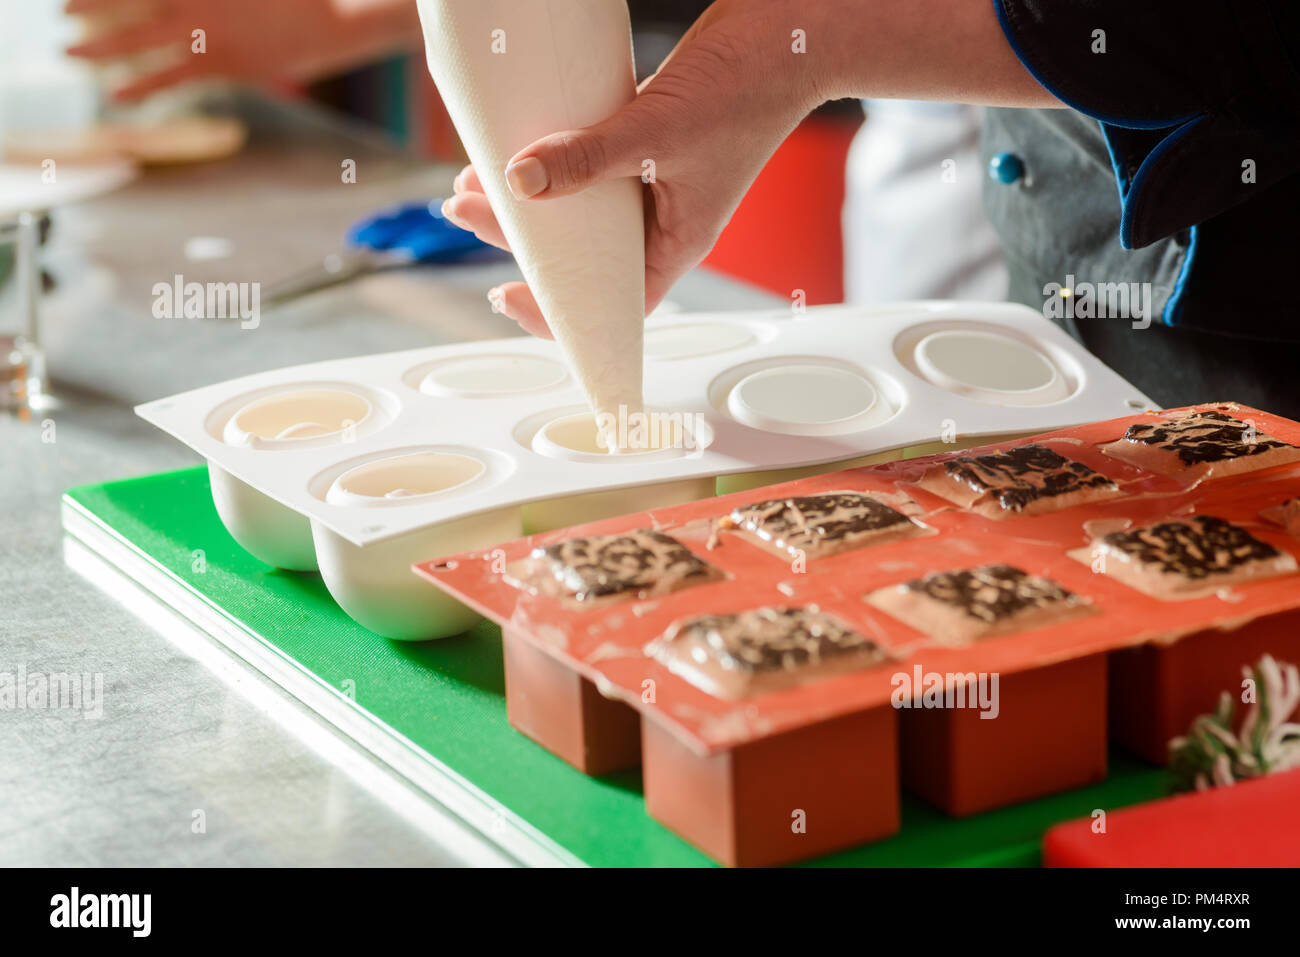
455	183
447	213
527	178
497	299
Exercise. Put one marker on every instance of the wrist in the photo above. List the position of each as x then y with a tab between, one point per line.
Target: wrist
815	37
949	50
785	46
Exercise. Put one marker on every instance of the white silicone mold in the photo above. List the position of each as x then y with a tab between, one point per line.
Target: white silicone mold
364	466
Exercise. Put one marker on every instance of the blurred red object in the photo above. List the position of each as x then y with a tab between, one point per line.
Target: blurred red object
786	235
1248	824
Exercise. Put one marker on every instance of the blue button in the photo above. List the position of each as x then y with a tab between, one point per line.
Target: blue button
1006	168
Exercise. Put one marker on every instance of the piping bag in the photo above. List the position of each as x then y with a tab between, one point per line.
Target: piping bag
510	72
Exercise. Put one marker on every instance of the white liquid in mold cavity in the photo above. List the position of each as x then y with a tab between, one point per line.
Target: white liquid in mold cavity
404	477
287	418
695	339
575	437
990	368
510	73
493	375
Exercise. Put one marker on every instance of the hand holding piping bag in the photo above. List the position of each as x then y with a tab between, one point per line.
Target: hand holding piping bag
703	126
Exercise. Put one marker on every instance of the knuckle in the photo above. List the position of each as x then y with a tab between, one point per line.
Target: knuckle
581	160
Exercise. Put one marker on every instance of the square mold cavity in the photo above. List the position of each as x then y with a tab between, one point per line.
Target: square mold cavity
374	583
570	435
286	419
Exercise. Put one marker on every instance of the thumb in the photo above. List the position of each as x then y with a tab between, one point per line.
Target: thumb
565	163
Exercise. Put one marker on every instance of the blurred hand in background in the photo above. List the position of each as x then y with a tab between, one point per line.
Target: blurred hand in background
244	40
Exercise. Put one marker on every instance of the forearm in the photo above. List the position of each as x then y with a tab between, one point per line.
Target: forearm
950	50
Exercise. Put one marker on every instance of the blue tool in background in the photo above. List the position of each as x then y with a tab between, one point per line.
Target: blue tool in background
406	235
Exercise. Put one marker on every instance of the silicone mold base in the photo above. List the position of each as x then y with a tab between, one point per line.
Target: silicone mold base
1156	691
375	585
270	532
744	807
564	713
1049	736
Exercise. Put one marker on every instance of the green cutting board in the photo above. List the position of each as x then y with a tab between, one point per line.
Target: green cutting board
447	699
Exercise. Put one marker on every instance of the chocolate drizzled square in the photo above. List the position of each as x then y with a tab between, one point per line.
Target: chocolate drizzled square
1204	437
772	639
821	524
616	564
992	593
1194	549
1021	476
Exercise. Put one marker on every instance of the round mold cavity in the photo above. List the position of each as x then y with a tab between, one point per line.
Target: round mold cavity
989	364
487	376
416	475
571	434
813	396
990	368
688	340
302	416
405	479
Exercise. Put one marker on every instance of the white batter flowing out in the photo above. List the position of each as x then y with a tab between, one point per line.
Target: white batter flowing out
510	73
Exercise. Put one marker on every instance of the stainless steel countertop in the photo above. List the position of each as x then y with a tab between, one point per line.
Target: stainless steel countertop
187	729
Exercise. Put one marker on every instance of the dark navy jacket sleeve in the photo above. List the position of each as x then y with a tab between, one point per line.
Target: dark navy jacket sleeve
1199	100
